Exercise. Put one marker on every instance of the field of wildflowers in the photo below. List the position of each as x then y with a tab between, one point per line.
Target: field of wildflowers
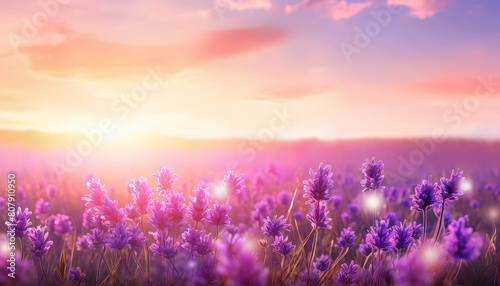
323	227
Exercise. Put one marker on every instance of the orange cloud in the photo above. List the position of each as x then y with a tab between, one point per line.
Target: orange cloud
281	93
87	55
421	8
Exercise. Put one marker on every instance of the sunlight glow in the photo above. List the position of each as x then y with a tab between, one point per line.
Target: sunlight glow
467	187
373	201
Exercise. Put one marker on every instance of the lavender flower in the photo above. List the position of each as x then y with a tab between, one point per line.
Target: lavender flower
284	198
166	179
322	263
274	227
158	216
87	219
318	216
451	188
110	213
137	236
96	238
97	193
460	243
475	204
118	238
234	183
131	212
319	186
426	196
241	268
219	215
336	203
373	174
282	246
205	245
190	239
392	219
347	274
142	195
412	270
417	230
346	238
82	243
38	241
62	224
164	245
403	235
198	204
381	236
365	249
207	271
176	208
260	210
42	208
19	223
77	276
51	191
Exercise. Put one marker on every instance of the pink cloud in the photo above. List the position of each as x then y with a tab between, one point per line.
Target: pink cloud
421	8
338	10
243	4
344	10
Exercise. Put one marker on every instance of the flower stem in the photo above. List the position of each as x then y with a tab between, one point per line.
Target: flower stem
147	250
43	272
440	223
425	225
315	242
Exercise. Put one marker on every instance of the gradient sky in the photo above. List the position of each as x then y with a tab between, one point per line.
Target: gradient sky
227	65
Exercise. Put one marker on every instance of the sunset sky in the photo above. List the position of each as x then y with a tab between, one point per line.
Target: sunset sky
229	68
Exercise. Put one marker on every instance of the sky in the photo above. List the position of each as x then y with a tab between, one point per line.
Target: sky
328	69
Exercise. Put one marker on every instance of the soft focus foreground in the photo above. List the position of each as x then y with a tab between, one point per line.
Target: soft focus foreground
317	216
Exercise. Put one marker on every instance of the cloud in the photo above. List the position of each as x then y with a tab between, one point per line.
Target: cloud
293	92
446	85
344	10
421	8
338	10
89	56
240	5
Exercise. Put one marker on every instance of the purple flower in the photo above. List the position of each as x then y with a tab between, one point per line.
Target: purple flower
205	245
346	238
207	271
19	223
417	230
96	238
166	179
62	224
82	243
234	183
164	245
87	219
475	204
198	204
110	213
158	216
241	268
336	202
190	239
392	219
413	270
137	236
284	198
42	208
176	208
347	274
319	186
365	249
282	246
381	236
274	227
131	212
403	235
322	263
77	276
426	196
298	216
38	241
97	193
451	188
51	191
460	243
260	210
118	238
318	216
142	195
373	174
219	215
